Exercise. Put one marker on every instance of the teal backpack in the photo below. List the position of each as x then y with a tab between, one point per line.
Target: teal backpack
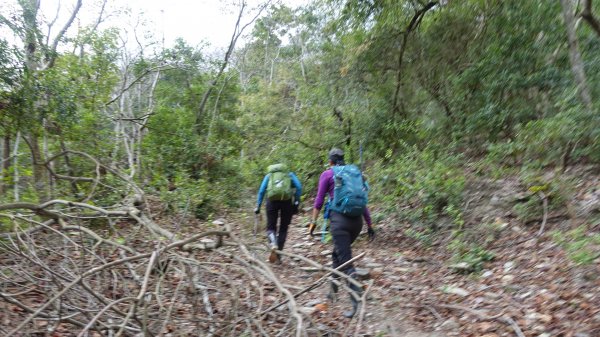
280	183
350	192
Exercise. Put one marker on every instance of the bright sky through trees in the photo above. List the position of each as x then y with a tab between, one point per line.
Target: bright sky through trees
196	21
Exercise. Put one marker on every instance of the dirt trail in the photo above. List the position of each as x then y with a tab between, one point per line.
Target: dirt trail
381	317
530	288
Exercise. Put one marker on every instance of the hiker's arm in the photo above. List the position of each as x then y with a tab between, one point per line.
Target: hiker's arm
261	191
367	216
321	191
297	185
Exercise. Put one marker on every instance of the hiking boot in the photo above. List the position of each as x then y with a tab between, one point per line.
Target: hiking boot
350	313
357	292
273	256
333	289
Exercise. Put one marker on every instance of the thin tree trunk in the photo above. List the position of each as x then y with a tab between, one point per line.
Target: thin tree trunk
129	141
74	188
575	56
39	167
302	52
16	167
215	110
142	126
273	66
45	154
237	32
412	25
5	163
588	16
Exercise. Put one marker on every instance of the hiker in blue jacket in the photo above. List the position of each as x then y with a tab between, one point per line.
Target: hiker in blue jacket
282	202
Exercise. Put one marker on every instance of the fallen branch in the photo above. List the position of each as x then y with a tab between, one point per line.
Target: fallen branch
104	310
363	300
500	317
545	216
105	266
318	282
337	271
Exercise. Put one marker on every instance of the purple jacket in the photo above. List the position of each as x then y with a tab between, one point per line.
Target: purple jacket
326	185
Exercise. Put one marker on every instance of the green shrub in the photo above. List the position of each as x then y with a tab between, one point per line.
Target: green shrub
557	189
431	184
189	196
582	247
470	253
545	142
423	235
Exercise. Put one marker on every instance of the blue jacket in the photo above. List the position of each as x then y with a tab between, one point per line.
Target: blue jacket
263	188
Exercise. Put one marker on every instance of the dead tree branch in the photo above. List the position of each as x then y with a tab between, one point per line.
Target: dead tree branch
588	16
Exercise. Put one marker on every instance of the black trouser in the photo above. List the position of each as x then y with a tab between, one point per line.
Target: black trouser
344	230
284	210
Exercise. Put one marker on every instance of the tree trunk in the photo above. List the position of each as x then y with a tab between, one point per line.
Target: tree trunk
74	188
412	25
5	163
588	16
16	167
46	154
40	180
575	56
302	53
237	32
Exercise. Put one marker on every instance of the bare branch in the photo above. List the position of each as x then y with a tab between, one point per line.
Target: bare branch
237	32
588	16
61	33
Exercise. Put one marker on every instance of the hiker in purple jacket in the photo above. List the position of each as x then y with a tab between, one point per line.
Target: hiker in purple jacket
344	229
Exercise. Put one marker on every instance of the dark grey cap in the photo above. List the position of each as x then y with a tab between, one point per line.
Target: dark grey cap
335	154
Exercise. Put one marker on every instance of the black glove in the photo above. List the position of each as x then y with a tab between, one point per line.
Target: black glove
371	233
295	207
257	210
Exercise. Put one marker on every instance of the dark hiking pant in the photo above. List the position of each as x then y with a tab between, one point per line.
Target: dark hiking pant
283	210
344	230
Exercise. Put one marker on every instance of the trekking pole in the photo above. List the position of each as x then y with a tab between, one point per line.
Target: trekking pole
360	155
255	230
324	230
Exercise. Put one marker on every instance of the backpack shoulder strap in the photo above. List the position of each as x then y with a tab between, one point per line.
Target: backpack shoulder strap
337	169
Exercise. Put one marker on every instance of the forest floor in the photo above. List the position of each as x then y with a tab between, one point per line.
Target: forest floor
531	287
534	280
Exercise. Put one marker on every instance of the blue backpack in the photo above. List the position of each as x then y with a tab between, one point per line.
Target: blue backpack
351	192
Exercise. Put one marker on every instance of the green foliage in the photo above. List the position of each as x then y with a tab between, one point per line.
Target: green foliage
466	251
5	225
190	197
529	210
423	92
557	189
546	142
581	245
432	184
423	235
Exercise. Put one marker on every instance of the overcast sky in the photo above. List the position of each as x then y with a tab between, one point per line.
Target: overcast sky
193	20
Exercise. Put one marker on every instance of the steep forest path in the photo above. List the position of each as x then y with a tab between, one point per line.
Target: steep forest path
385	313
503	272
531	286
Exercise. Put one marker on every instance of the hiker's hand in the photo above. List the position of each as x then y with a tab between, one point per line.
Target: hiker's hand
371	233
257	210
295	207
311	228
